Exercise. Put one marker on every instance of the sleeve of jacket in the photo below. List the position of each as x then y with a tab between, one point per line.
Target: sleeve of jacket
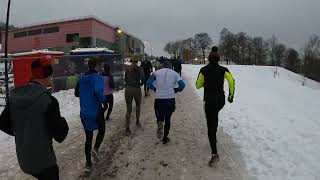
111	82
76	90
150	81
98	88
57	126
142	78
228	76
5	121
200	80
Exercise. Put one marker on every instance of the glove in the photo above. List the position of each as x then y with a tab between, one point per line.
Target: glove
230	99
176	90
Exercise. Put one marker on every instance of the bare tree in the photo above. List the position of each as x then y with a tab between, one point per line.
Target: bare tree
272	42
279	54
204	42
191	45
260	51
292	60
311	57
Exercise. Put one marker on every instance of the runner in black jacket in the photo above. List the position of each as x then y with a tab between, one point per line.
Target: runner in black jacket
33	117
211	77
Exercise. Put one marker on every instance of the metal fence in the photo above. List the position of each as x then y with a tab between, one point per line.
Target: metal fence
66	71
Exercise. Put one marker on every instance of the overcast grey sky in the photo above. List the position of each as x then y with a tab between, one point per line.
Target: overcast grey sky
160	21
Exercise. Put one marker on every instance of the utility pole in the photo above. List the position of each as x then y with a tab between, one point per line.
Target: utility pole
6	53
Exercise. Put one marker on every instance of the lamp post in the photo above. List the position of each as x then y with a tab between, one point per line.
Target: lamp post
6	53
118	39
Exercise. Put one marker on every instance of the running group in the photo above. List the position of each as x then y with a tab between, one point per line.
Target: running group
32	114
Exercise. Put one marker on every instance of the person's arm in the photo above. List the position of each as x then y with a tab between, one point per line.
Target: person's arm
150	81
228	76
5	121
57	126
111	82
181	84
200	81
98	88
76	90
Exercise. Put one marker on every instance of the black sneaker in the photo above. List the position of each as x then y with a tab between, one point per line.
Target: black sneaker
138	124
128	132
214	158
88	169
165	140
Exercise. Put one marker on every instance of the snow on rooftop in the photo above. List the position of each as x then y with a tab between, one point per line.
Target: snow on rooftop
43	51
92	50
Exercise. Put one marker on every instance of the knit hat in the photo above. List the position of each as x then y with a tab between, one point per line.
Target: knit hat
41	68
214	57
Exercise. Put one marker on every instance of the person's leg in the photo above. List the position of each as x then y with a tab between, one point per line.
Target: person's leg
105	105
137	99
101	133
160	119
145	88
110	105
128	98
212	123
51	173
167	125
88	146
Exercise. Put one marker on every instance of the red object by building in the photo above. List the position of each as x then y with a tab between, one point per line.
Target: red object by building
22	64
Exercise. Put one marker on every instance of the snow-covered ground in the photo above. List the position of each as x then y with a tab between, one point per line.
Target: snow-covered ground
275	121
70	108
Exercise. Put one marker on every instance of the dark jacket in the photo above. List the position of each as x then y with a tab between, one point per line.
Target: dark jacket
33	117
90	91
147	67
135	78
211	77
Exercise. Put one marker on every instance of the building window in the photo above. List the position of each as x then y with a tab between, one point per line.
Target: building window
51	30
72	37
34	32
20	34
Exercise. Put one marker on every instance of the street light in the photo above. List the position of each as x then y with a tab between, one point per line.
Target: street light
119	31
6	53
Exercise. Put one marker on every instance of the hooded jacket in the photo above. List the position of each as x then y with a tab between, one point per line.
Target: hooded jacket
90	90
33	118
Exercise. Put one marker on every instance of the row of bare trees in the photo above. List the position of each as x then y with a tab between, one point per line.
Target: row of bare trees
199	45
246	50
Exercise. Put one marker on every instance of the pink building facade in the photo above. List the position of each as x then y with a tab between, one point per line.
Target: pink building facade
70	34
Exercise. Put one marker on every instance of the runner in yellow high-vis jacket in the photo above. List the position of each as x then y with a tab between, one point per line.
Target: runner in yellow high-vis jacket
211	78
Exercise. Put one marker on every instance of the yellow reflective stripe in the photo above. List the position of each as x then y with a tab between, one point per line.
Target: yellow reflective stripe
230	80
200	81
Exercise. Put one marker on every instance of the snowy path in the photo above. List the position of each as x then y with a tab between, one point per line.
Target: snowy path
141	156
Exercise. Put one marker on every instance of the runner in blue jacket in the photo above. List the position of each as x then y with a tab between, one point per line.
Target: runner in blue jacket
90	91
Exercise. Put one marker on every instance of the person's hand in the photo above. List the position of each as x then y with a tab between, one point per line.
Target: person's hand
230	99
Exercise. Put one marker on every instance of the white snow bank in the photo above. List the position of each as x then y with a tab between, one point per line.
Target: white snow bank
275	121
